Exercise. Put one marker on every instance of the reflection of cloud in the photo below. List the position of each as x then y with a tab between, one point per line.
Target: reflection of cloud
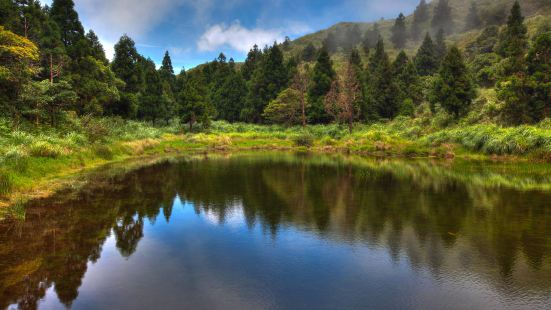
234	216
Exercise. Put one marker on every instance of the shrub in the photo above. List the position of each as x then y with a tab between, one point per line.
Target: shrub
304	139
103	151
45	149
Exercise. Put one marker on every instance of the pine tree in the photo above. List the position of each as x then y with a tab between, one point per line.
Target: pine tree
473	21
378	56
167	75
194	104
351	38
309	53
440	45
399	32
454	90
253	59
230	97
426	60
420	17
96	47
30	20
407	79
513	42
442	18
151	102
381	94
125	64
539	70
269	78
52	50
527	95
322	78
372	36
64	14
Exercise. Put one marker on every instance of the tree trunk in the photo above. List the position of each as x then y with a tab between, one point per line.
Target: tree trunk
51	69
303	113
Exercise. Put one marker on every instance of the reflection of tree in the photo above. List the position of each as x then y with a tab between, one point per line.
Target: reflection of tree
129	231
429	213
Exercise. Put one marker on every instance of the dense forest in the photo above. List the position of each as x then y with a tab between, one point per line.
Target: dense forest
51	67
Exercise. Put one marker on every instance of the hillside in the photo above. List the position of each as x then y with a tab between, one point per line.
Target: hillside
537	13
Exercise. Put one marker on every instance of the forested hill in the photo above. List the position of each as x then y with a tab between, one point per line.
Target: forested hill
463	61
490	12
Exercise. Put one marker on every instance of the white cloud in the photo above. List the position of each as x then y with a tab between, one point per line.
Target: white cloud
242	39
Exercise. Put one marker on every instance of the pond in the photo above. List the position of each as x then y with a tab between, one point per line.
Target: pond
287	231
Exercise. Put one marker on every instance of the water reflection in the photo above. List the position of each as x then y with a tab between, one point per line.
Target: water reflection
490	222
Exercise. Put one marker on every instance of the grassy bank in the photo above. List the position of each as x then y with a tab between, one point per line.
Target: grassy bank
34	162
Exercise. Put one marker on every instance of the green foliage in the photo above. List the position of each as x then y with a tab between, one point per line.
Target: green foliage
407	79
513	41
309	53
399	32
126	65
321	80
304	139
383	90
71	30
195	106
268	79
426	60
285	109
454	90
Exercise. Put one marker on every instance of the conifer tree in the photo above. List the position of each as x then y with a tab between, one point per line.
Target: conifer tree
52	50
420	17
454	90
378	56
309	52
269	78
96	48
152	106
253	59
426	60
406	79
513	42
473	21
382	93
442	17
372	36
194	104
399	32
64	14
539	70
322	79
230	97
125	64
167	74
440	45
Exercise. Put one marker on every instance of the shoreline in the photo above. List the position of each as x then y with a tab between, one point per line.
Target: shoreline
74	170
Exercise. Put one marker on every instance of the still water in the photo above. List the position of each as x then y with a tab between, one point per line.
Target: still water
285	231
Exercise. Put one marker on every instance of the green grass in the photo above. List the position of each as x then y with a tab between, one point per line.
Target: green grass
34	158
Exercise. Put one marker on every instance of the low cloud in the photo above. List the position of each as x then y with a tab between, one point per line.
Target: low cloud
241	38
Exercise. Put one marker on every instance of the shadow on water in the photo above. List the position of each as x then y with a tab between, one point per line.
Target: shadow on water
447	217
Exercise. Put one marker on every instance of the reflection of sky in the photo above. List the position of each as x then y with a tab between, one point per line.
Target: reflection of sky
193	263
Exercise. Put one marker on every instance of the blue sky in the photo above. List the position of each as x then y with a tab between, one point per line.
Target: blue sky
196	31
